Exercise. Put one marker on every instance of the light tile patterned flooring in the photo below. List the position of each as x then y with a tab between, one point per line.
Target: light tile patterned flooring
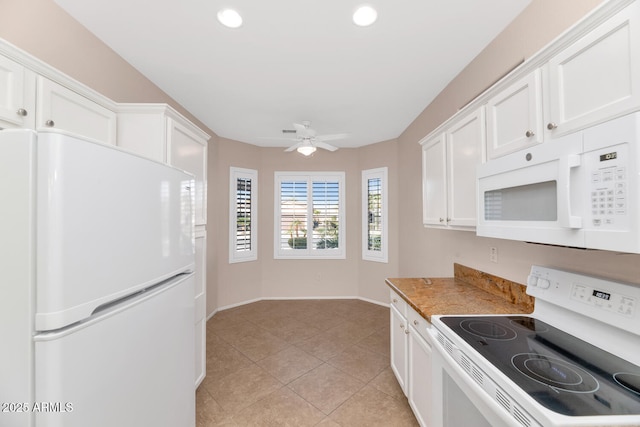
301	363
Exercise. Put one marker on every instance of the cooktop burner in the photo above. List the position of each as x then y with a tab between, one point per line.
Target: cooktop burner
561	372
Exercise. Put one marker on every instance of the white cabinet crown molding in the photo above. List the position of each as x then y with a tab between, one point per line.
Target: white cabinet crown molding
42	68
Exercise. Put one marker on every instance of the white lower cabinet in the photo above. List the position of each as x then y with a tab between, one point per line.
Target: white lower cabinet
399	347
411	357
419	375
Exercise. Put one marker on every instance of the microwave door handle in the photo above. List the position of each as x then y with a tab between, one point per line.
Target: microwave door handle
564	192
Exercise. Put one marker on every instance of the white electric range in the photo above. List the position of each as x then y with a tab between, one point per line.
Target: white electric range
575	361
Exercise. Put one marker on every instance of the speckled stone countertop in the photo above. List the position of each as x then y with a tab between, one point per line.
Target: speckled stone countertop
468	292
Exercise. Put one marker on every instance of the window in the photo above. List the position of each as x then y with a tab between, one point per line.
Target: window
374	215
243	215
309	216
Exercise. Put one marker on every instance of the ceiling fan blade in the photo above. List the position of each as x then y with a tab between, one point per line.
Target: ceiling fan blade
324	145
294	146
332	137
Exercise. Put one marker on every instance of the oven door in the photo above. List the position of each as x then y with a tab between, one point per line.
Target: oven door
534	195
458	401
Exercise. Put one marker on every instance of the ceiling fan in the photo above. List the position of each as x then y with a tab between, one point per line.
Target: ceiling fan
308	141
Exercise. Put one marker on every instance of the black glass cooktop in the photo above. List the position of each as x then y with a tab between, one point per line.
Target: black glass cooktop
561	372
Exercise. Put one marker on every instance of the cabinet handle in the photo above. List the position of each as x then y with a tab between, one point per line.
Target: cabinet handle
401	325
21	112
50	123
415	322
448	219
441	219
395	301
406	331
552	126
529	134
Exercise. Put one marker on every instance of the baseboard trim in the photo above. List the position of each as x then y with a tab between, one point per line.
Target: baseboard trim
230	306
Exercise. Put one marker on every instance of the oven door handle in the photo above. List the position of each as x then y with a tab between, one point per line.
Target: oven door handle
566	164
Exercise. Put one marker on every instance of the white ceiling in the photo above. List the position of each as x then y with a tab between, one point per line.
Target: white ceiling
295	60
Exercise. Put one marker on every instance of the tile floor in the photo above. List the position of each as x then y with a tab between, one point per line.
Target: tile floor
301	363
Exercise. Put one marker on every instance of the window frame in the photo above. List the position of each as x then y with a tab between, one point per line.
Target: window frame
383	254
235	255
310	177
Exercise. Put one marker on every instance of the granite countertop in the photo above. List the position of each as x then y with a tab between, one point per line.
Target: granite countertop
468	292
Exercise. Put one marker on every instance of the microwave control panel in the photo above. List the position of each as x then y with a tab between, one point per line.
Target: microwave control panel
608	173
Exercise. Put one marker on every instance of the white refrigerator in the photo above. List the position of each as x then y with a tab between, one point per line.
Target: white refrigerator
97	288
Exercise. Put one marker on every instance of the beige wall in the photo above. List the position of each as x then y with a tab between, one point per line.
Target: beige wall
431	252
277	278
240	281
372	274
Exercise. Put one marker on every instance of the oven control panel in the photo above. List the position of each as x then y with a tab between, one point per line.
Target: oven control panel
610	302
605	300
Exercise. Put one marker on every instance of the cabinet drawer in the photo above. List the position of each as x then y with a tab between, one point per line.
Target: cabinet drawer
397	302
419	323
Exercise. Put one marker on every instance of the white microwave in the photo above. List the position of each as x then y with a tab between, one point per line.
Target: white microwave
581	190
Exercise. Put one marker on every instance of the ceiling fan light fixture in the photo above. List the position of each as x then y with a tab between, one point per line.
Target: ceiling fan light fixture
230	18
306	150
364	16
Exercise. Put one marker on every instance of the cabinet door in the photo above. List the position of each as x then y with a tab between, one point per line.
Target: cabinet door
62	108
17	95
598	77
187	151
434	184
144	134
420	377
200	304
514	117
399	344
465	151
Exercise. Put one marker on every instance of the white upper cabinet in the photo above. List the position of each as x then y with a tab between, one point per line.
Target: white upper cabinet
187	150
597	77
17	95
159	132
434	181
514	117
449	163
29	99
465	151
62	108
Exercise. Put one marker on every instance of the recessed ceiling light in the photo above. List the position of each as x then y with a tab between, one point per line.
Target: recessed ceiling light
365	16
230	18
